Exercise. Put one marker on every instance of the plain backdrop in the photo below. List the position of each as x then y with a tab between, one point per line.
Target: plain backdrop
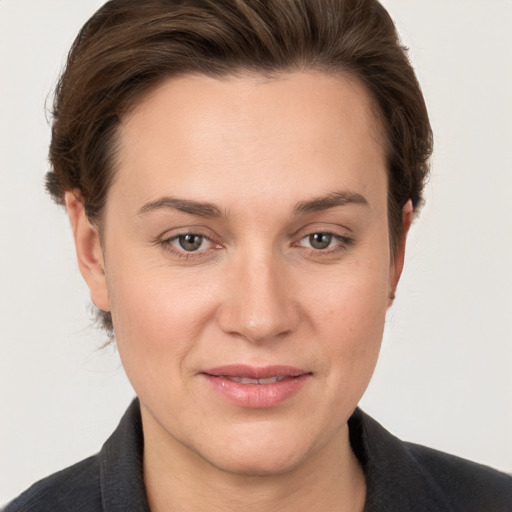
445	374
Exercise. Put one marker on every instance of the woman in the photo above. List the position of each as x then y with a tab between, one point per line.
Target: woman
240	178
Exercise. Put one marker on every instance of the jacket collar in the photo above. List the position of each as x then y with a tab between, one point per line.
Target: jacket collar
396	481
121	469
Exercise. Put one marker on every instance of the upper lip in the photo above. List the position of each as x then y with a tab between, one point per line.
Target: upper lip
255	372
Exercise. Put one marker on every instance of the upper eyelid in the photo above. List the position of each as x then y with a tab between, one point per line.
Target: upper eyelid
186	230
338	231
323	231
176	237
334	235
186	233
344	239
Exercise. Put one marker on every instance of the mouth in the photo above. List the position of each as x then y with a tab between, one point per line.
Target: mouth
257	387
248	380
245	374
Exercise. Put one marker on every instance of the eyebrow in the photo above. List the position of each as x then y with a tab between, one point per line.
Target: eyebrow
331	200
202	209
205	209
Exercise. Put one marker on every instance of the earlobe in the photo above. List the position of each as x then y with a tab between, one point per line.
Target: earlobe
397	264
88	250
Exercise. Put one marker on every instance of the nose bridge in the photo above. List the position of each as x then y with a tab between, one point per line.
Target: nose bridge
258	305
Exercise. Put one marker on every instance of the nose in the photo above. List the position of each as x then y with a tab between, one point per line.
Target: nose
259	303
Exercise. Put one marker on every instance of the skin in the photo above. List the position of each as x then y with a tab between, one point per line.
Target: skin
255	292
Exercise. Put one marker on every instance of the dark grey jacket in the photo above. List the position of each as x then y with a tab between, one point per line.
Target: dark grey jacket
401	477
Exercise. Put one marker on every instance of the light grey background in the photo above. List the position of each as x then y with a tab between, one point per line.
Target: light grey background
445	374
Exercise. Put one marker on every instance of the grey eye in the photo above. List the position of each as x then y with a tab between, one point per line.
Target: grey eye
190	243
320	240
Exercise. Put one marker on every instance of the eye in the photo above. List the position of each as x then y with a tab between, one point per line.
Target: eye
324	243
320	240
189	245
190	242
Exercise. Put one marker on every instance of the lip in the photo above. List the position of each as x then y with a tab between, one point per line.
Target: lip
256	395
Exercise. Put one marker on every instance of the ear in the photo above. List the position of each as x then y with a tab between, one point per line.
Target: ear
88	250
397	264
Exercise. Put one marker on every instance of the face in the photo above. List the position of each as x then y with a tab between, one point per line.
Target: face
246	264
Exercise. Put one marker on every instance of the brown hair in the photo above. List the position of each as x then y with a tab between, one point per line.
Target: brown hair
129	47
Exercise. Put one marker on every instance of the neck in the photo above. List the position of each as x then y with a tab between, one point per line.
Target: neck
177	478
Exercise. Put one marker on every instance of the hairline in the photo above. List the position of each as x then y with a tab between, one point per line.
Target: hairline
378	131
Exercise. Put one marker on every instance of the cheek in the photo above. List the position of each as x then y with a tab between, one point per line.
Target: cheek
349	317
352	300
161	314
158	314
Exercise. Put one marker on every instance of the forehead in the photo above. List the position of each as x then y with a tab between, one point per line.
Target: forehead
202	136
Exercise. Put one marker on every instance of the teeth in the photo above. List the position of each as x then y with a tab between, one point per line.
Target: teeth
247	380
244	380
270	380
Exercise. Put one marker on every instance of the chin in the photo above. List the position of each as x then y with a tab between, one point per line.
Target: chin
259	453
257	465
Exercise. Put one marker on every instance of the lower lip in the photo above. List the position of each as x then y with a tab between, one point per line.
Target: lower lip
257	396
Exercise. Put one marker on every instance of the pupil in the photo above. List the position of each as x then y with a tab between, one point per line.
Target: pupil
190	242
320	240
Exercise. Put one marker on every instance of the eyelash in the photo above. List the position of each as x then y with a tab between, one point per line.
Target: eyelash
167	245
345	242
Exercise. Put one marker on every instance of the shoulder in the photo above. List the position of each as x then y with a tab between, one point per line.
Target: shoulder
110	480
465	484
403	476
76	488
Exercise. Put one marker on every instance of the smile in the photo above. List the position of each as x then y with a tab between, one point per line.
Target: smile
248	380
256	387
